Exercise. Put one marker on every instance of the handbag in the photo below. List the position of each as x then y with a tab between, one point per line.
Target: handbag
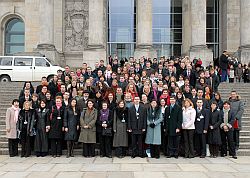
236	124
107	131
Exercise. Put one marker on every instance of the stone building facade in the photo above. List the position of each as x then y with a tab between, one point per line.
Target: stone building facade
76	31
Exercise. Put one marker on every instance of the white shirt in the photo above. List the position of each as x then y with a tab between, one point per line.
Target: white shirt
189	115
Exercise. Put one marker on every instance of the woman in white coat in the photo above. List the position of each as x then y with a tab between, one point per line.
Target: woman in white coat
11	127
188	127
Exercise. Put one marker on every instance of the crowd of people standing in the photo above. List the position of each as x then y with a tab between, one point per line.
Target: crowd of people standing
163	105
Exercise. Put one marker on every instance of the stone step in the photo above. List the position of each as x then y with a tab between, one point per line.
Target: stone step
244	139
243	152
244	133
245	145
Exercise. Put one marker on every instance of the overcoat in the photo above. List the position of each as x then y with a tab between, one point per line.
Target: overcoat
11	124
120	128
41	121
88	117
215	120
71	120
153	135
173	120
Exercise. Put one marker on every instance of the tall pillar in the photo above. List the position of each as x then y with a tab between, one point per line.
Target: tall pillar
144	30
46	9
46	23
198	47
97	34
244	31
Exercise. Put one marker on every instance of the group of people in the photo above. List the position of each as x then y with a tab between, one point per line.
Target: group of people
135	107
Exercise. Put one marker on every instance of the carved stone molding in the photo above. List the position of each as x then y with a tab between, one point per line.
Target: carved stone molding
76	25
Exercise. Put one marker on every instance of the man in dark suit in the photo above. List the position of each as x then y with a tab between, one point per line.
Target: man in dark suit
173	121
189	73
201	127
137	123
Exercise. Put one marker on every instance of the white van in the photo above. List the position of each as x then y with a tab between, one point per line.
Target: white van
26	68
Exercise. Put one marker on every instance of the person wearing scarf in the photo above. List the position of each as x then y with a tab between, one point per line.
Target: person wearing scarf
56	128
104	130
11	130
227	131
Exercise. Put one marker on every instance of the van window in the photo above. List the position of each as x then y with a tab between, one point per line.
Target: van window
6	61
41	62
23	62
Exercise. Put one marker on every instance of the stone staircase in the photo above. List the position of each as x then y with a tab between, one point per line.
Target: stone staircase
244	92
9	91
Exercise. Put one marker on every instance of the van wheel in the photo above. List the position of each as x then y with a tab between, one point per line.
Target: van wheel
49	78
5	78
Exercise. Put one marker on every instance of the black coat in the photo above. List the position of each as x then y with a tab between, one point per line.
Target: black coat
52	87
202	120
214	134
173	120
109	122
223	62
27	127
215	82
134	124
41	139
56	123
71	120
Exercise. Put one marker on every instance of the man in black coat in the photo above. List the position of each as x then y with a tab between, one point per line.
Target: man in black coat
201	127
215	80
137	123
173	123
223	64
227	130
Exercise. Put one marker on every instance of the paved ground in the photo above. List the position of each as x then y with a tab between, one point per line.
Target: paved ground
97	167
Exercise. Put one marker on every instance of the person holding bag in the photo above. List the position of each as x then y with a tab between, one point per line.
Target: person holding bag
104	129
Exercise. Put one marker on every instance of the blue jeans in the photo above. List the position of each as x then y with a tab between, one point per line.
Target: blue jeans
224	75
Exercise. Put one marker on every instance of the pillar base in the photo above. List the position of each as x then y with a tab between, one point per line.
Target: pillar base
244	54
93	55
202	52
51	53
146	51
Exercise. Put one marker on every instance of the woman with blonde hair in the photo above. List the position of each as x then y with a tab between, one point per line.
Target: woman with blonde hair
25	125
188	127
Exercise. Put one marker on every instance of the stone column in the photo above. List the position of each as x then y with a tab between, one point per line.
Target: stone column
46	9
144	29
46	42
96	24
96	39
244	31
198	47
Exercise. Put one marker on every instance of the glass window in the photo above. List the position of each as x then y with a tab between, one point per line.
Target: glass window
167	27
23	61
41	62
212	25
121	27
6	61
14	36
